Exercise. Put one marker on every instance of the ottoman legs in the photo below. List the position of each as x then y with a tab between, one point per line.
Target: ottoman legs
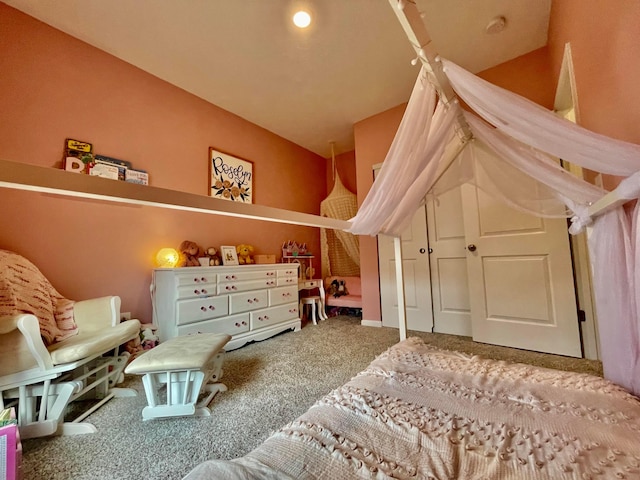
183	390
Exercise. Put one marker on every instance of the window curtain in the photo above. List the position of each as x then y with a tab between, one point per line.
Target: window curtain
513	156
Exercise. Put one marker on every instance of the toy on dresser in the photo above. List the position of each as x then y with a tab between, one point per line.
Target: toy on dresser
214	256
245	253
190	252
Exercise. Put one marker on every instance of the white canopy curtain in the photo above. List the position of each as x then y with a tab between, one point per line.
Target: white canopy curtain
515	162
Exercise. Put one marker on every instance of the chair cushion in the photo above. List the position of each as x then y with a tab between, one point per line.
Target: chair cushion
180	353
86	344
347	301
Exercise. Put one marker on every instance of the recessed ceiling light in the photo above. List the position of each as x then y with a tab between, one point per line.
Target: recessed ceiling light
302	19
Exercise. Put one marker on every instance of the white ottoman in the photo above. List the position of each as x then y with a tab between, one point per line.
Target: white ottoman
188	366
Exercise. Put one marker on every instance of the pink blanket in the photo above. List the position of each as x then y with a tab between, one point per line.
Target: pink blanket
23	289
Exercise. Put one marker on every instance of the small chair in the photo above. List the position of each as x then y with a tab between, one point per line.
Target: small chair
314	302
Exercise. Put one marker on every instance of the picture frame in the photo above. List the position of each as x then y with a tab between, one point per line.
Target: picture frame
230	177
229	255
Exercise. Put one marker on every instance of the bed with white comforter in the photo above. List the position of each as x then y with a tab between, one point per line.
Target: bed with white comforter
419	412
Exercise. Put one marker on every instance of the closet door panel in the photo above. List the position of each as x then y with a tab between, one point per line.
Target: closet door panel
417	281
448	263
520	278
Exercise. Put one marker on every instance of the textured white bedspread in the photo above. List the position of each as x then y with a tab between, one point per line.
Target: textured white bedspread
419	412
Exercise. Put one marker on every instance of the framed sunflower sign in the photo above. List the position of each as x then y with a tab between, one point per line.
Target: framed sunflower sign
230	178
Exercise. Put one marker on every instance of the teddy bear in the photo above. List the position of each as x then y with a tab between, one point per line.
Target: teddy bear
214	257
244	254
190	252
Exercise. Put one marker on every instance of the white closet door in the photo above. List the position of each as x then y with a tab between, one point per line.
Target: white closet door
448	263
520	278
416	277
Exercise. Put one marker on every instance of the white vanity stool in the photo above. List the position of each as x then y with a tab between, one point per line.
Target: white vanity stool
317	310
187	365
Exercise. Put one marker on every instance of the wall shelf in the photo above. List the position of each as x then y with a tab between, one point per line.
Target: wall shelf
24	176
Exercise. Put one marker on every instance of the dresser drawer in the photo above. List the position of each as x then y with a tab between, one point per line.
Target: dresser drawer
278	296
289	272
197	277
273	315
225	288
243	302
233	325
235	276
287	281
309	284
192	291
189	311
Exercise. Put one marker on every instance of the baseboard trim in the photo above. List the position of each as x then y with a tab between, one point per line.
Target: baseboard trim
371	323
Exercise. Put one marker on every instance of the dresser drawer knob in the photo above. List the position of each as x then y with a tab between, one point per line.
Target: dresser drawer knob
238	324
203	291
211	307
196	280
203	279
196	291
204	309
244	323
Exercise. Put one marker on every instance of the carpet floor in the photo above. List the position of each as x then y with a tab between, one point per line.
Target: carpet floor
270	383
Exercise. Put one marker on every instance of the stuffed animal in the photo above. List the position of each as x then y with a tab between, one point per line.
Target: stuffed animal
214	257
338	288
244	254
148	338
145	340
190	252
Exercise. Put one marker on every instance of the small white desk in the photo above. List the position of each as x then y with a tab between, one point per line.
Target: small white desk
310	284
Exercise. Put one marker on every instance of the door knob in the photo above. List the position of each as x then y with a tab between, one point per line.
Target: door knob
422	250
471	247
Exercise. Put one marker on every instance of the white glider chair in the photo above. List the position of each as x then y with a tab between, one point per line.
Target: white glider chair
41	377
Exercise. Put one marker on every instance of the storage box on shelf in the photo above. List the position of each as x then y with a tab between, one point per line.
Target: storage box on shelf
248	302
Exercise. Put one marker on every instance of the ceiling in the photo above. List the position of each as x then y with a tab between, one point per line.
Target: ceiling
309	86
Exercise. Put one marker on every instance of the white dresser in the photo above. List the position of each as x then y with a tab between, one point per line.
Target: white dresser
249	302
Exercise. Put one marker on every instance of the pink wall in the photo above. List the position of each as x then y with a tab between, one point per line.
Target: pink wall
604	39
346	167
530	75
53	87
